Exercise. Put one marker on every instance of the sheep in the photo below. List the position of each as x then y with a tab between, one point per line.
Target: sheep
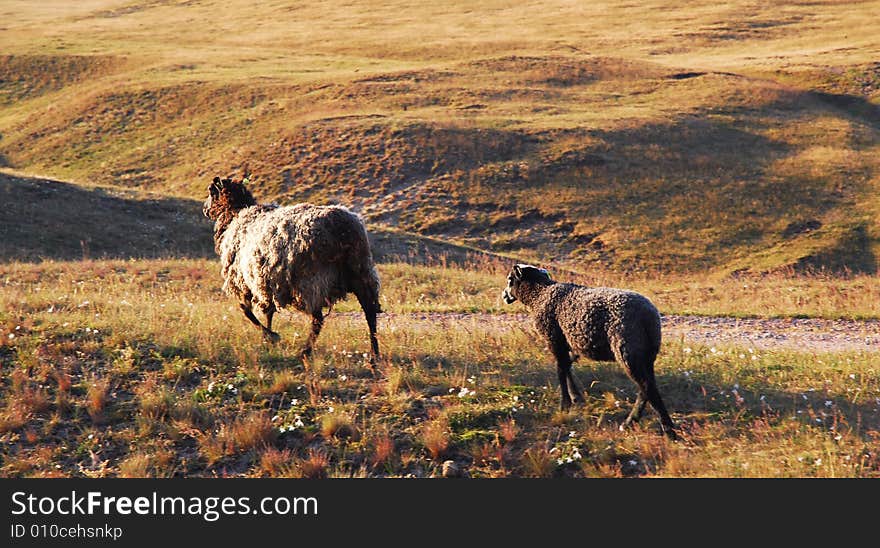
604	324
304	256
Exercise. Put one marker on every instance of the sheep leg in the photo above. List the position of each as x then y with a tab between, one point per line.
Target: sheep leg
268	334
575	389
369	303
563	369
637	409
317	324
653	396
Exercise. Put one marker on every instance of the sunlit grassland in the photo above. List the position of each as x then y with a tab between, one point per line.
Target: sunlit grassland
438	286
143	368
641	136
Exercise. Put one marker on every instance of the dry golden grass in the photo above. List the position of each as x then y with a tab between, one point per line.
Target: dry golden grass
689	138
435	437
655	147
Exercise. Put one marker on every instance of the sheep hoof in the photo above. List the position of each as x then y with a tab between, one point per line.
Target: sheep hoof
271	337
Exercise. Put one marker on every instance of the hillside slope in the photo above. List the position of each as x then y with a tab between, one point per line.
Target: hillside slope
698	139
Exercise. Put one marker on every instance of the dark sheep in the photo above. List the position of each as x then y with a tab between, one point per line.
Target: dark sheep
604	324
303	256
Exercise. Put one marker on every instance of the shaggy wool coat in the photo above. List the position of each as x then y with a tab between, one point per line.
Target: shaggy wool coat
303	255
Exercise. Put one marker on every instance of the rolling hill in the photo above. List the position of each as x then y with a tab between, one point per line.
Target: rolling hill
629	137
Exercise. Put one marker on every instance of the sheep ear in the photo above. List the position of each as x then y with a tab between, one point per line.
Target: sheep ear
215	187
517	272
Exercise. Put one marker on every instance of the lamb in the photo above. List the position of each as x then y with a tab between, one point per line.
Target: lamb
604	324
304	256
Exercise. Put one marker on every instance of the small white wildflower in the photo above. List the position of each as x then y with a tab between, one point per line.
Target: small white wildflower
343	377
852	376
817	462
687	350
230	387
828	403
91	436
713	350
838	437
11	336
633	462
559	462
572	434
293	402
576	455
568	460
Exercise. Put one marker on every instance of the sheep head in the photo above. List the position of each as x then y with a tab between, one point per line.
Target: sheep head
225	199
523	274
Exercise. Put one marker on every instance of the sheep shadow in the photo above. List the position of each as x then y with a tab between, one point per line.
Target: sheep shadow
45	219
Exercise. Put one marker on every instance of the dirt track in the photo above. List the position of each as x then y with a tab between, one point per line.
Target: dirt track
809	335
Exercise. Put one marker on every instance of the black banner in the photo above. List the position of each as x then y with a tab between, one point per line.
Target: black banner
127	512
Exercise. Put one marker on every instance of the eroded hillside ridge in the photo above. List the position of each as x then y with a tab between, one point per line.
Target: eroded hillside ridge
578	159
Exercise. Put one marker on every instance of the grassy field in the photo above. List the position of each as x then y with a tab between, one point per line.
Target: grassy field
143	368
696	138
722	159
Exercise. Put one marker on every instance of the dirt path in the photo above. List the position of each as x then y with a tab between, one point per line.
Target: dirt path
809	335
